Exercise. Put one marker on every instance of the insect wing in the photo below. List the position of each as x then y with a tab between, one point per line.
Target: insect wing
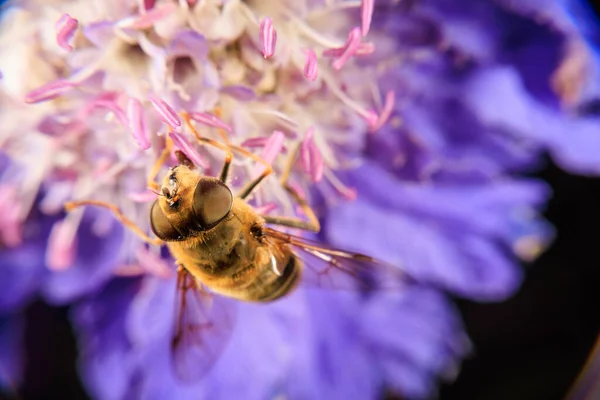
204	323
327	267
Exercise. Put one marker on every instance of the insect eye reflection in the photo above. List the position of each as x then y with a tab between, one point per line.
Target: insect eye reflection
212	202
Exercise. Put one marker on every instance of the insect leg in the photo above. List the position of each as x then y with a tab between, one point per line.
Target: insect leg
158	164
313	222
228	148
71	205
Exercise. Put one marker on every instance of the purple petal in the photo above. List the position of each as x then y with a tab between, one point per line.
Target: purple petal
11	352
94	263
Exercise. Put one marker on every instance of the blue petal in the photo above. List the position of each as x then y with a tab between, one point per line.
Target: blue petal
454	236
11	357
107	362
96	259
22	267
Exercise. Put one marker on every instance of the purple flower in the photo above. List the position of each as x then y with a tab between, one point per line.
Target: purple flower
439	105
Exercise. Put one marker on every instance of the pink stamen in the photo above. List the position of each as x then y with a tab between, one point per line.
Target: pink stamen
310	67
347	192
268	37
272	148
109	105
363	49
386	112
370	116
366	13
65	29
148	19
146	5
210	120
255	142
265	209
127	270
349	49
310	156
62	246
142	197
11	230
48	91
299	190
153	263
182	144
166	112
135	114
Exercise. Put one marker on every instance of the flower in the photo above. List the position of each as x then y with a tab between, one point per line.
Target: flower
400	90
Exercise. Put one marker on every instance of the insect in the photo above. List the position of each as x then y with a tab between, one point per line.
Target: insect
225	250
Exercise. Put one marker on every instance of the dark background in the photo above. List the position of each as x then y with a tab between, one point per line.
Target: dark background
527	348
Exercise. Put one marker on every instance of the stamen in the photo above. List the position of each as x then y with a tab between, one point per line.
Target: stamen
255	142
11	229
272	148
127	270
366	13
268	37
388	107
166	112
368	115
145	5
142	197
310	156
181	142
135	114
49	91
62	245
347	192
65	29
149	18
349	49
210	120
152	263
265	209
363	49
310	67
110	105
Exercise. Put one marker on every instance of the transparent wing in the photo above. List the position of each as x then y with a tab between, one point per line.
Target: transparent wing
203	326
327	267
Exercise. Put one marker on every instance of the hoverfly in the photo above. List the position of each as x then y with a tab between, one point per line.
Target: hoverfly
225	249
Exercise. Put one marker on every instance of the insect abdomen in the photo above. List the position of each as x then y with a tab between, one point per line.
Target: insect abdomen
284	283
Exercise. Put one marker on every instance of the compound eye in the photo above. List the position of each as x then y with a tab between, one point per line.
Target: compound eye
161	226
212	202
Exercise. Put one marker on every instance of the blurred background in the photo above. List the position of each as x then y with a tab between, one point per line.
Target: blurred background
530	347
